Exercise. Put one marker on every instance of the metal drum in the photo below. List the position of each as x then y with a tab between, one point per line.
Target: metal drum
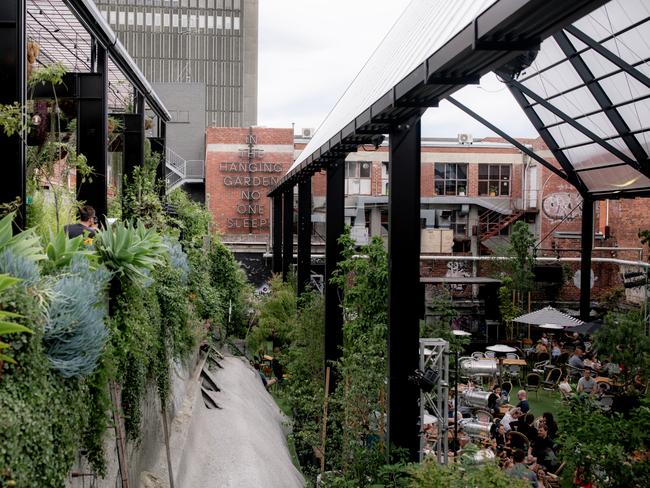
474	428
470	367
476	398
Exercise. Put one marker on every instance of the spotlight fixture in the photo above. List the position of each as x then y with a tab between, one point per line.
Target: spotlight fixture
425	380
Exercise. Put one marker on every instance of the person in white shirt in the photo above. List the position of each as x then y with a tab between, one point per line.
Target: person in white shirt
510	416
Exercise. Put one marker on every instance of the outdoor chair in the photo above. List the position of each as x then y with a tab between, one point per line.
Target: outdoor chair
552	380
512	355
518	440
514	373
563	358
574	373
478	355
490	354
506	386
543	356
533	381
484	416
539	367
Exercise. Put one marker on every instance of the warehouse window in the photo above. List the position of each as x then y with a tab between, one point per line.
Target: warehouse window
451	178
494	180
358	177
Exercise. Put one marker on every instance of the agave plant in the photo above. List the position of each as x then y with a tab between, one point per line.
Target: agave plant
7	326
60	249
24	244
130	251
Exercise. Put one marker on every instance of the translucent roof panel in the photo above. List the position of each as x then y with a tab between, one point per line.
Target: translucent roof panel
63	38
423	28
594	109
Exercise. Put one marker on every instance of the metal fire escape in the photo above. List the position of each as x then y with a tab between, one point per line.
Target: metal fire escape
181	171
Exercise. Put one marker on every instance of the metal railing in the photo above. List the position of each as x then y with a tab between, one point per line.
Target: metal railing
181	170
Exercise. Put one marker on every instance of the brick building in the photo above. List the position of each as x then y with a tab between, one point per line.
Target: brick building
472	194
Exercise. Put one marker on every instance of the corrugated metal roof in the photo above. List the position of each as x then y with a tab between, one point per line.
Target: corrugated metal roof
423	28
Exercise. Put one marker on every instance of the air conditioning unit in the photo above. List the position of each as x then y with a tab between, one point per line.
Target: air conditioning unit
308	133
465	138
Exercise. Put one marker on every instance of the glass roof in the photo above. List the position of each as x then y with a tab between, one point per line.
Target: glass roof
423	28
595	110
63	38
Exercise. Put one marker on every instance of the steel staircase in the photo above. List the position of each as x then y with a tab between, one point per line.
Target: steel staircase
180	170
491	222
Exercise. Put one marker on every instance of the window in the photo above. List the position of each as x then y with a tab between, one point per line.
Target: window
201	21
210	22
458	223
235	23
131	18
384	178
121	17
184	21
494	179
156	20
148	19
451	178
357	177
219	22
174	20
139	18
228	22
166	20
113	17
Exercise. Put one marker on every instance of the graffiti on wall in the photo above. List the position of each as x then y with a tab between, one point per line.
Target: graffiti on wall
457	269
562	205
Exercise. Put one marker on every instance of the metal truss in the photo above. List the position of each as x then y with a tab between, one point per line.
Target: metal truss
434	354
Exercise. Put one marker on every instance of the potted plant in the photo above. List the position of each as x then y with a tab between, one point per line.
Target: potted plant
493	190
461	191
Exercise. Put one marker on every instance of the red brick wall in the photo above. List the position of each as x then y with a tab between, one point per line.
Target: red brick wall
228	185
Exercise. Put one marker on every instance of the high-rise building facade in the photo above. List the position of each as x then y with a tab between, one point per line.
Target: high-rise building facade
213	42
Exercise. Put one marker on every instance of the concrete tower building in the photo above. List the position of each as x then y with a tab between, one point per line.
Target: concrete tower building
209	42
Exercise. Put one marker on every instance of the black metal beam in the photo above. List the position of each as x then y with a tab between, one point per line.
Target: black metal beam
12	89
304	235
570	121
404	301
334	228
287	232
549	140
276	224
133	144
92	133
609	56
508	138
602	99
585	258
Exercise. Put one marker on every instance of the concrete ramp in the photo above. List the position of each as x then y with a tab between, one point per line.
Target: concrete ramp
240	443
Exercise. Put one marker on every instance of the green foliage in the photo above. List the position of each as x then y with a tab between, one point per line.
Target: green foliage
442	311
432	475
52	74
607	449
13	119
130	251
61	249
624	337
193	219
522	243
227	276
507	307
41	413
7	319
141	195
24	244
277	318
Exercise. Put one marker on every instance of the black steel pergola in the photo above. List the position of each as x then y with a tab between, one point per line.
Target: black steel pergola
102	80
564	64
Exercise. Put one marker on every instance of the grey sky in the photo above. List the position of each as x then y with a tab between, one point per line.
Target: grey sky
310	50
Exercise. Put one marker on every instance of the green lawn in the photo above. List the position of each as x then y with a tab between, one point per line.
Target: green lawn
544	401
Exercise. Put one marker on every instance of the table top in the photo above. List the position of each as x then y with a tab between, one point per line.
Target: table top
602	379
514	362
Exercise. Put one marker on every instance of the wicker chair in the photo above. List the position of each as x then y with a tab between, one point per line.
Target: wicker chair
552	379
518	440
533	382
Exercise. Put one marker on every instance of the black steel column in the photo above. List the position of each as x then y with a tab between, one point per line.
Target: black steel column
12	89
92	133
276	223
334	228
404	299
585	258
287	232
133	148
161	171
304	235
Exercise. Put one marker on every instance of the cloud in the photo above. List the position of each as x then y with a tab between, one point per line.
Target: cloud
310	51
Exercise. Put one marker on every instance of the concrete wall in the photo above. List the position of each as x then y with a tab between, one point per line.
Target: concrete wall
187	139
251	21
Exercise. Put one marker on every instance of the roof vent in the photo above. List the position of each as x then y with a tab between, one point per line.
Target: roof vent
308	133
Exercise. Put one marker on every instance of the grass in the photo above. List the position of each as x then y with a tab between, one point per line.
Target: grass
545	401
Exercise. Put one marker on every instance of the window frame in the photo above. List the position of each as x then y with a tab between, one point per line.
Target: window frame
450	178
490	181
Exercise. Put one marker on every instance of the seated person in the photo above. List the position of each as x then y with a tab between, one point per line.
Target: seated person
511	416
575	362
499	439
524	425
551	425
587	384
565	388
520	470
494	400
540	347
523	405
555	351
541	449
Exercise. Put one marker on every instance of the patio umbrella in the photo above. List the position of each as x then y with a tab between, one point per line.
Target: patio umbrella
548	315
588	327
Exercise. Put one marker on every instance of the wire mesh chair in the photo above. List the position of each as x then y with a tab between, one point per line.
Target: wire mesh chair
533	381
